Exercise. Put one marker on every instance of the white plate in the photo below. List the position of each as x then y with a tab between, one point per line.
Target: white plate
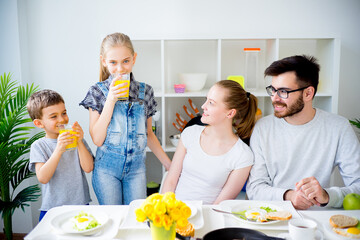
328	228
130	221
318	235
63	224
247	205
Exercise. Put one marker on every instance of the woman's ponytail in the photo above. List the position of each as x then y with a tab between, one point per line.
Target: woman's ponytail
245	124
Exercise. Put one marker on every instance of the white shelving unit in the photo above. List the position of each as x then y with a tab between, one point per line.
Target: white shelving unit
160	61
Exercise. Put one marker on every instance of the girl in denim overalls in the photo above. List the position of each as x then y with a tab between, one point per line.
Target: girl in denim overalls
121	129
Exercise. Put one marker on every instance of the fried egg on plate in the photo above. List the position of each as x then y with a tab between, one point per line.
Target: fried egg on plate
257	214
351	232
82	223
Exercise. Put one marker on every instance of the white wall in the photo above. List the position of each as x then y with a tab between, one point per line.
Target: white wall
56	43
10	62
9	39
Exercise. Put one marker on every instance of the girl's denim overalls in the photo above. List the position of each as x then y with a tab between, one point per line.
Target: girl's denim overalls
119	169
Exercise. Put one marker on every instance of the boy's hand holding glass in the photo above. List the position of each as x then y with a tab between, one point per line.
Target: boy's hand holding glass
121	84
68	136
63	140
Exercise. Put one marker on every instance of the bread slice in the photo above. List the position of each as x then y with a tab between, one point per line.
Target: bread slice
342	221
279	215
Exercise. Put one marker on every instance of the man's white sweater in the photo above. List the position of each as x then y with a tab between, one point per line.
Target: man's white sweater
285	154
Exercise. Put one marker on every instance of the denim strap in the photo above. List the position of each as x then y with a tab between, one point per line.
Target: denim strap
142	91
102	87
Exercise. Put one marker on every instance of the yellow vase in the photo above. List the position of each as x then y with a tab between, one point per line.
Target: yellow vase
160	233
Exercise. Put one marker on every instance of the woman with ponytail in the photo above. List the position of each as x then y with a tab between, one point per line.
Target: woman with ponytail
212	162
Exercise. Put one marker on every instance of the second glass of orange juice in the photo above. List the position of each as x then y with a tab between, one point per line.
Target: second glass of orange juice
68	128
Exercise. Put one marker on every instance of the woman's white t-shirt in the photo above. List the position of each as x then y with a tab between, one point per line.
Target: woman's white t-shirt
203	176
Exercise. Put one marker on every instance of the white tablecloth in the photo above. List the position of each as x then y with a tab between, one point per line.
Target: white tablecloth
212	220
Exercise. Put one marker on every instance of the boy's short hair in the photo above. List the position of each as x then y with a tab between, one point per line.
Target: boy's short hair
40	100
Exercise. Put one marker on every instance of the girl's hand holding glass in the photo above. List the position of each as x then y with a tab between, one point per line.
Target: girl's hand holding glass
117	91
121	82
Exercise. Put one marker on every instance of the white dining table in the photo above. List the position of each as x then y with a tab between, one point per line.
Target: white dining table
122	224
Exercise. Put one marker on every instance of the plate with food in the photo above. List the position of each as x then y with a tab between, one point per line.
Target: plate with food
80	222
343	227
259	213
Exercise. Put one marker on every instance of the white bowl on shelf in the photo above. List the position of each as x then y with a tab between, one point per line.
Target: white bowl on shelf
174	139
193	81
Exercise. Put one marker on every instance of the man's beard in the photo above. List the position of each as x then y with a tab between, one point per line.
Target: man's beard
290	110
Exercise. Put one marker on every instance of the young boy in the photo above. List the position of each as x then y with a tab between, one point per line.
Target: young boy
60	172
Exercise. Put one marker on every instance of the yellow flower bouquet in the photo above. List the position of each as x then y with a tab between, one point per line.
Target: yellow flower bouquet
163	210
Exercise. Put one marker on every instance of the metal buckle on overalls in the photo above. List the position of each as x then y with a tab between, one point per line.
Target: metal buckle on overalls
141	102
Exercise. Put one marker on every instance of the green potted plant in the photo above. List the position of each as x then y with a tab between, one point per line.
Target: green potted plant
15	142
355	122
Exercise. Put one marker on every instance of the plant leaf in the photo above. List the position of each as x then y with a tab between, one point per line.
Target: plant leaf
28	194
15	142
355	122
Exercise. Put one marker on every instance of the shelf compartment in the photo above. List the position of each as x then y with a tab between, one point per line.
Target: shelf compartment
153	168
170	148
175	105
233	57
189	56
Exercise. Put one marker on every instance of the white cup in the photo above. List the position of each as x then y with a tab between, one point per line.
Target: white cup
300	229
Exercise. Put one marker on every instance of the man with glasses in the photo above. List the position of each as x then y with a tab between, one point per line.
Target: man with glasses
297	148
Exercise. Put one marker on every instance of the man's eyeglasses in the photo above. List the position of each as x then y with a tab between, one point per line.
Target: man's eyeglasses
284	94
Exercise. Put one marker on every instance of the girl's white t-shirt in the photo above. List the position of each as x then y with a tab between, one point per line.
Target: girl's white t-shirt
203	176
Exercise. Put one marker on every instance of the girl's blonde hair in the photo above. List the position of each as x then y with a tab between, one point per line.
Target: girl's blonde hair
245	105
110	41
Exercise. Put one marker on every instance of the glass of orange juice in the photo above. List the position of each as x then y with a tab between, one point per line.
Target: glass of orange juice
123	78
68	128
